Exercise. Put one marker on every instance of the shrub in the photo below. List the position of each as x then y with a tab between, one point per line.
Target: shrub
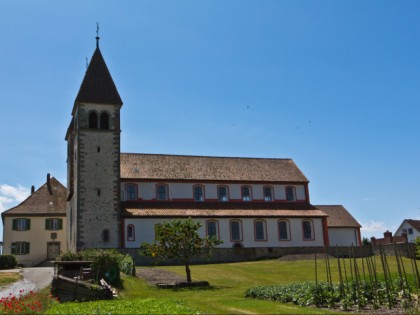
8	262
106	263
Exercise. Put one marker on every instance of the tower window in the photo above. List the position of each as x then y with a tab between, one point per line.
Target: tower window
93	120
104	120
105	235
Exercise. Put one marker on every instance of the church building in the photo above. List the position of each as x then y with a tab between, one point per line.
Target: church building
115	199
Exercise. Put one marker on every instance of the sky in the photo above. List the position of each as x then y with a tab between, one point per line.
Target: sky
334	85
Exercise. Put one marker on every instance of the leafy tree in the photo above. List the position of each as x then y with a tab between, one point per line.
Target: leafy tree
179	239
366	241
418	247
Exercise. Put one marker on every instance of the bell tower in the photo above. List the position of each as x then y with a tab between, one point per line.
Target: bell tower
93	161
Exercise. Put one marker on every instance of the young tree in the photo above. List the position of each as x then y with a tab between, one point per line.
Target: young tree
179	239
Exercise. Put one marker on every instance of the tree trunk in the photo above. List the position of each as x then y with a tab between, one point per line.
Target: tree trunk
188	272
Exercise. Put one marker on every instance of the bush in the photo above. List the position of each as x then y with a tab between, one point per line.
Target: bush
106	263
8	262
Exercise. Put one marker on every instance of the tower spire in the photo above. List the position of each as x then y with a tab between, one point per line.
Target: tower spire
97	35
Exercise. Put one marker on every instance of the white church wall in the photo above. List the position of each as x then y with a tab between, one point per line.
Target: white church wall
144	232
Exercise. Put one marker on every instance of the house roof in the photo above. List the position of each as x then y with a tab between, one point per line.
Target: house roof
338	216
219	209
182	167
98	86
43	201
414	223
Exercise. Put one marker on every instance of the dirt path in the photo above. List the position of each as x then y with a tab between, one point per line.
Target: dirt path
155	276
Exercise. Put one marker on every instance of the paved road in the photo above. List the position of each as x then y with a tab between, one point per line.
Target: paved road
34	279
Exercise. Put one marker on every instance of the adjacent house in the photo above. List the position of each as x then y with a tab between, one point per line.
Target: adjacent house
35	230
343	229
411	228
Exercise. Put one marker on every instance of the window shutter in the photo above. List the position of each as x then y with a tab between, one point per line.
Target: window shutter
60	224
14	224
47	224
14	246
28	224
27	247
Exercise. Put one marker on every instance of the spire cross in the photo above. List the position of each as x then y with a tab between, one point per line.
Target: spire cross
97	35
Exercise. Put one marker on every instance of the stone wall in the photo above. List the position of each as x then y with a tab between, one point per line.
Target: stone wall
223	255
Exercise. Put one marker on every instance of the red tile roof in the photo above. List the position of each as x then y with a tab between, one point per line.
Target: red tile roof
216	209
414	223
97	85
181	167
43	201
338	216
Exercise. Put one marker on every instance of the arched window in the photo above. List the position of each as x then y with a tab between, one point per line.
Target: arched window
284	230
260	230
246	192
93	120
222	193
307	230
104	119
162	192
131	236
212	229
198	192
268	193
130	192
290	193
235	231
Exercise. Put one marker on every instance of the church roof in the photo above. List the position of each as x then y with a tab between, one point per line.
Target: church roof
98	86
219	209
338	216
47	200
205	168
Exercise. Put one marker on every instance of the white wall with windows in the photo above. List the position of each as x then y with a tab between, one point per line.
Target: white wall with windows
244	232
212	191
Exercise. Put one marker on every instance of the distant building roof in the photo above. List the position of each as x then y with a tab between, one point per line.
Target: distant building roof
205	168
414	223
219	209
46	200
338	216
98	86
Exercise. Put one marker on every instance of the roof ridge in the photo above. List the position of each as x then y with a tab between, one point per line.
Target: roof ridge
207	156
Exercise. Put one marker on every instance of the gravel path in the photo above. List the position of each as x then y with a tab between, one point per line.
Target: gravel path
155	276
34	279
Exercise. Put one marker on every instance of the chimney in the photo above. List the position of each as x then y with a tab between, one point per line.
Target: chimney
49	184
32	189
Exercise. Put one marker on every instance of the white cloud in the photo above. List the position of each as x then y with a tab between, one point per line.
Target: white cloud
373	228
11	195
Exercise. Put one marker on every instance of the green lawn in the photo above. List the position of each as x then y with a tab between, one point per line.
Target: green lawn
8	278
225	296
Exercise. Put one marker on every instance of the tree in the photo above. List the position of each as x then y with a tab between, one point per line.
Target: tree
179	239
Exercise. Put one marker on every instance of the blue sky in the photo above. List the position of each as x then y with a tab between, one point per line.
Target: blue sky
334	85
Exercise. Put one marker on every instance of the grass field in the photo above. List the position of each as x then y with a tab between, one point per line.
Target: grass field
8	278
225	296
